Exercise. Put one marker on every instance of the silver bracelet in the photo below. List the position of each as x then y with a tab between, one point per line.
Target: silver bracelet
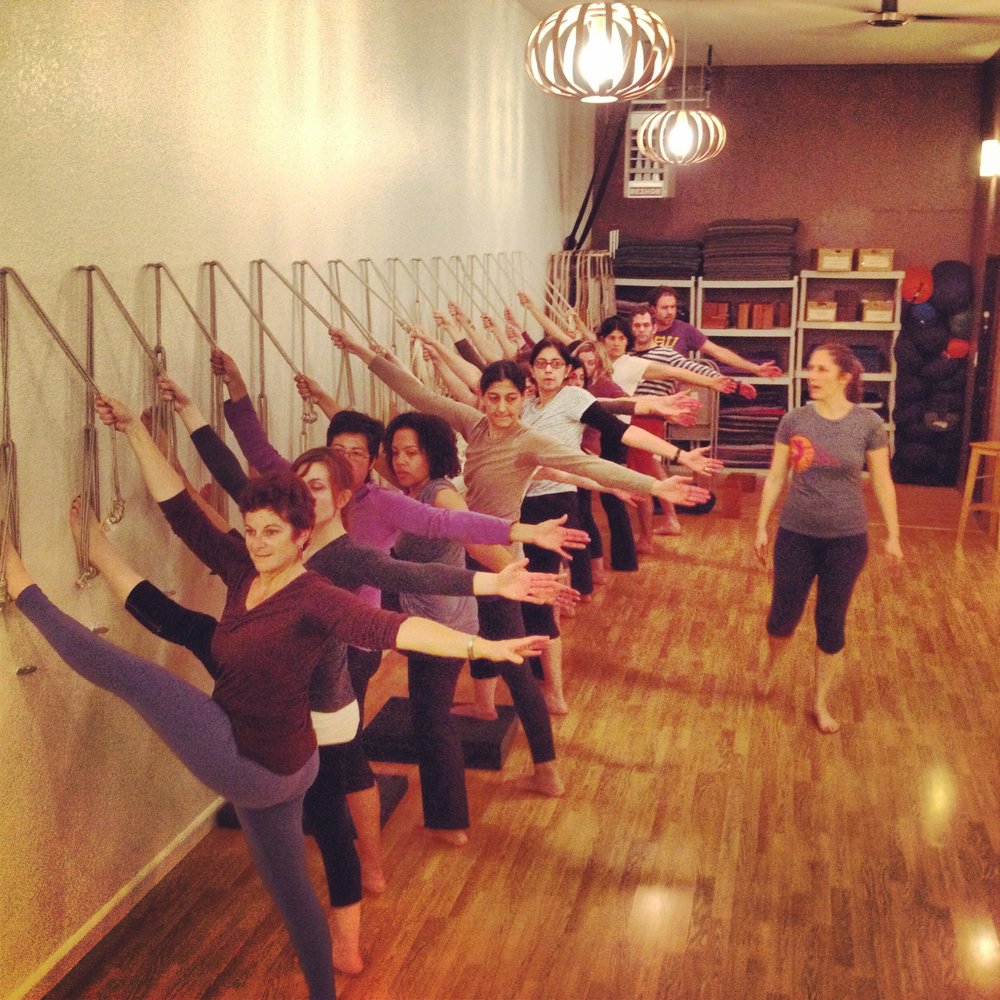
470	648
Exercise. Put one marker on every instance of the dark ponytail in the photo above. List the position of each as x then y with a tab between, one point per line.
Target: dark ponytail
846	360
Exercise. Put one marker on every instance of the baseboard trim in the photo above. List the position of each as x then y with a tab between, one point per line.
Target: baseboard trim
52	970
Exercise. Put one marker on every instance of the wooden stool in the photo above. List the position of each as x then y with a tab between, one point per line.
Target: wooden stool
981	450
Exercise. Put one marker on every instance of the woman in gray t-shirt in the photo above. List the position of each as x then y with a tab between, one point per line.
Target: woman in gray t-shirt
823	527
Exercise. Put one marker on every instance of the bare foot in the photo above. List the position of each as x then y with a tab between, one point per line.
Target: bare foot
542	784
453	838
556	704
825	721
474	711
761	679
644	547
17	576
346	957
671	528
373	880
345	934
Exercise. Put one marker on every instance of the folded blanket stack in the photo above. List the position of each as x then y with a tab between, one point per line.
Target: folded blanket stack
662	259
751	249
746	430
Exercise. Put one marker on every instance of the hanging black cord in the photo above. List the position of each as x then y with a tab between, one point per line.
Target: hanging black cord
572	242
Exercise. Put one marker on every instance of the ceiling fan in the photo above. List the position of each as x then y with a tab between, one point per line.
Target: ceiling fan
890	17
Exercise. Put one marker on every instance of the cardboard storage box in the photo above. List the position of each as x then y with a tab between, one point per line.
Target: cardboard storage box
874	259
715	315
878	311
833	259
821	311
762	316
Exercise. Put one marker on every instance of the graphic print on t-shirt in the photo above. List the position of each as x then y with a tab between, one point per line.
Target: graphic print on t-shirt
801	451
805	454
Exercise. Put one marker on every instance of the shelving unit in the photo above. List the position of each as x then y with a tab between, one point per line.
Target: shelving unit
873	342
636	290
746	427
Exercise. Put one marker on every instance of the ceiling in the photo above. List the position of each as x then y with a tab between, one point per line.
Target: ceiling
820	32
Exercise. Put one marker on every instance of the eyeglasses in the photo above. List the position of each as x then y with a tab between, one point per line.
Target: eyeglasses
352	454
554	363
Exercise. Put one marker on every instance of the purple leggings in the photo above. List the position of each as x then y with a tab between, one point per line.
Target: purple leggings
198	731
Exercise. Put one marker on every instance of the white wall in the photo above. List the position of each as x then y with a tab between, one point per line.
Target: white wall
181	131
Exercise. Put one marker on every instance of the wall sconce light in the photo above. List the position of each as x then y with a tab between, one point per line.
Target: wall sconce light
600	52
989	158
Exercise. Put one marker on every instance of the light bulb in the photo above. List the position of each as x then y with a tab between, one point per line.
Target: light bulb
681	137
601	60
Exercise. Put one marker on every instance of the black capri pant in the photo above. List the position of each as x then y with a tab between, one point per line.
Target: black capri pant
835	564
540	619
501	619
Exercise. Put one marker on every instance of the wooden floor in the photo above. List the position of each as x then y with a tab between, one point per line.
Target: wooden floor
712	844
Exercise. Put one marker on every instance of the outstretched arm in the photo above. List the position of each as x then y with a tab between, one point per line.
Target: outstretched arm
507	350
213	451
406	385
161	478
462	344
487	351
210	544
657	370
243	420
460	377
309	388
550	327
224	366
766	369
421	635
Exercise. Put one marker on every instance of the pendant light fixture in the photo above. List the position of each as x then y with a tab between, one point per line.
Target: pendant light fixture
682	135
600	52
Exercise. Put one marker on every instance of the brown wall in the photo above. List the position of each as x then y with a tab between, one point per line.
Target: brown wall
986	223
862	155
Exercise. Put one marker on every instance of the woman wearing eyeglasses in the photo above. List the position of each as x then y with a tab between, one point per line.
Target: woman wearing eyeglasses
564	412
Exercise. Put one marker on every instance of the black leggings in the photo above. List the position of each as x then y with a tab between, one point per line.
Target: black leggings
623	554
501	619
834	563
581	572
540	619
440	758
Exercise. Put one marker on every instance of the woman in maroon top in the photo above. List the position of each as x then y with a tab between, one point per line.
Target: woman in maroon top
252	740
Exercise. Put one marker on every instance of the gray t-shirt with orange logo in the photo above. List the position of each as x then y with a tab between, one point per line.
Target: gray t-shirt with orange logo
827	459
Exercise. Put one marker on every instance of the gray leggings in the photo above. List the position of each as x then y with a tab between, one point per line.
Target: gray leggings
198	731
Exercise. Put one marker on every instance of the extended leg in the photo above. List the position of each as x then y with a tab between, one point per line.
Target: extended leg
274	836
